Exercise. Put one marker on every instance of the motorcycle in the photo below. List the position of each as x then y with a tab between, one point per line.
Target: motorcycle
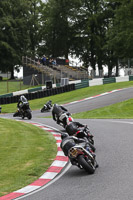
25	111
82	158
64	118
46	108
85	133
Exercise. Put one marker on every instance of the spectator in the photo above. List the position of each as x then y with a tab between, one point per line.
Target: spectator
44	60
53	61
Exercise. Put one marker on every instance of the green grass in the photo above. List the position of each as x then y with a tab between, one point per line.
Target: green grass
122	110
26	152
13	86
70	96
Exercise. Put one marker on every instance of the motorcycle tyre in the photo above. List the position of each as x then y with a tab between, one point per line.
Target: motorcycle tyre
43	109
15	114
86	166
23	115
29	116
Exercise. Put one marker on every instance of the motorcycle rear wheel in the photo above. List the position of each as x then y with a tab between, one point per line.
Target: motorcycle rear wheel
29	115
87	166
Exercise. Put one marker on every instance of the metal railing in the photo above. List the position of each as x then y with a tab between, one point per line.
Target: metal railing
55	71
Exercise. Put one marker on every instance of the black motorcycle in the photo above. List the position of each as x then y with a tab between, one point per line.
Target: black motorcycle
25	111
85	133
46	108
82	158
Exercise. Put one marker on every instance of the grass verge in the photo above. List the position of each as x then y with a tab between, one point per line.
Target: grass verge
70	96
9	86
26	152
122	110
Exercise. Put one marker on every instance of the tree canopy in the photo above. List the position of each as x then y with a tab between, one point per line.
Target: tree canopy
98	31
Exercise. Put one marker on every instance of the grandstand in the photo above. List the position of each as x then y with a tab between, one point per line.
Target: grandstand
35	73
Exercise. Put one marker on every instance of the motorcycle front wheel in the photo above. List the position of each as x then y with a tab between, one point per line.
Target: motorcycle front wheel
89	167
43	109
28	114
16	114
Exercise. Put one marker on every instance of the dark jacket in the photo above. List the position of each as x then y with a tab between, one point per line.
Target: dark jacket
57	111
73	127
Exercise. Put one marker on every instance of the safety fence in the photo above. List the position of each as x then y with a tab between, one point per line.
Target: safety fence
130	78
82	84
109	80
40	92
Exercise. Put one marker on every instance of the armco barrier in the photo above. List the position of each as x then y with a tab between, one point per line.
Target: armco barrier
6	95
109	80
57	90
34	89
21	92
97	81
38	94
122	79
57	84
83	84
130	78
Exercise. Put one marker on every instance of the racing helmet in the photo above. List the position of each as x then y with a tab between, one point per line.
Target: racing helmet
23	99
70	119
54	107
64	135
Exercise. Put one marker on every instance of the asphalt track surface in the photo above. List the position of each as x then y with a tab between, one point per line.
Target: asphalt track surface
113	180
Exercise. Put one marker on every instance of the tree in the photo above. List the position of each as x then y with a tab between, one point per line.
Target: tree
13	38
34	26
121	31
57	30
91	26
19	31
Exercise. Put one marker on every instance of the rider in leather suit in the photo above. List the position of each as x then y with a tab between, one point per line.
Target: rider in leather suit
49	104
22	102
77	129
57	111
73	127
70	141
